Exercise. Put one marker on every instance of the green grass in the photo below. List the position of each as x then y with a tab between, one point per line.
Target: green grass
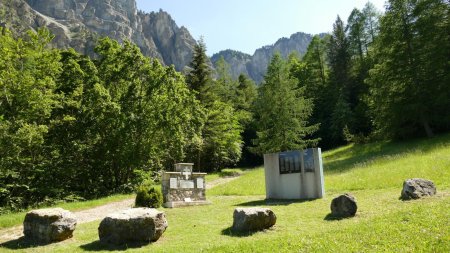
224	173
249	183
373	173
14	219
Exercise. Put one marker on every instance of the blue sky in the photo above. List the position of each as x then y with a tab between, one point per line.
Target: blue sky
246	25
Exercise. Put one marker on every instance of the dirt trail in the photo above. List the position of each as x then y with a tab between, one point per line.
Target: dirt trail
96	213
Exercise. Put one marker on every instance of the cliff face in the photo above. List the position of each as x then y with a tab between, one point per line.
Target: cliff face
78	23
255	65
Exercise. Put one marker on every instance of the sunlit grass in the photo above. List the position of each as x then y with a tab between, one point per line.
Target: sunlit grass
373	173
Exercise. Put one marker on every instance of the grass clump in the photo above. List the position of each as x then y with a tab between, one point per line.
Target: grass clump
230	172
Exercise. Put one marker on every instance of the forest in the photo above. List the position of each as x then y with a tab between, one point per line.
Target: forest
74	127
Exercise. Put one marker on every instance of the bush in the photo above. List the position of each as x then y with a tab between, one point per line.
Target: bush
148	197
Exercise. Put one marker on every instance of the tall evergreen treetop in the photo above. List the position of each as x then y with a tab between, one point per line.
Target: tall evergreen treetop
199	75
282	111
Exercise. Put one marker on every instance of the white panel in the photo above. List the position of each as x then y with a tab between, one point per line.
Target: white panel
200	183
186	184
173	183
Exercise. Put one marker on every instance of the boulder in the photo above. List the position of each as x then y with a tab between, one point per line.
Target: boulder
253	219
344	206
136	225
49	225
416	188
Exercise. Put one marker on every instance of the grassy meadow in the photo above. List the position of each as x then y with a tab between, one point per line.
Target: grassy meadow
373	173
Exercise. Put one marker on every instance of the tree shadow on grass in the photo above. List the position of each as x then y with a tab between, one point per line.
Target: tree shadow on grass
100	246
331	217
274	202
23	243
363	153
230	232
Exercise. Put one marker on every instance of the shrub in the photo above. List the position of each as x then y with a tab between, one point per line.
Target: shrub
148	197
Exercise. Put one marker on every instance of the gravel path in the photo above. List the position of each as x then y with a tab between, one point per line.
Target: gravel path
96	213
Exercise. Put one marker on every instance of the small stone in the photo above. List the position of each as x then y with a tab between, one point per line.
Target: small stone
344	206
417	188
49	225
253	219
138	225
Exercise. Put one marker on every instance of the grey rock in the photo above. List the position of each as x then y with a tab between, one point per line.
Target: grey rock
78	23
136	225
49	225
344	206
255	65
416	188
253	219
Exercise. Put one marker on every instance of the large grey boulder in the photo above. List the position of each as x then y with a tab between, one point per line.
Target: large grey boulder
49	225
416	188
138	225
344	206
253	219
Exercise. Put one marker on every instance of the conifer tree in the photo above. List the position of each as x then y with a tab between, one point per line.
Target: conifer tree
282	112
409	83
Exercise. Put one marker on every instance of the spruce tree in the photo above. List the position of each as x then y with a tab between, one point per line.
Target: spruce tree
282	112
199	73
409	83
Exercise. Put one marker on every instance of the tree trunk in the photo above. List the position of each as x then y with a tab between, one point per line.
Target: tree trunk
426	126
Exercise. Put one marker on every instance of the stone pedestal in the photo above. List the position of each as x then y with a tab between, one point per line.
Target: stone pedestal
417	188
49	225
253	219
136	225
344	206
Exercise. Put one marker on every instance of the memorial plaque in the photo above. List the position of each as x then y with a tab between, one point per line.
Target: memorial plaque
186	184
289	162
308	160
200	183
173	184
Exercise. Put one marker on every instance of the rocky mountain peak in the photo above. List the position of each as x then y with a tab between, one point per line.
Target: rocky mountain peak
78	23
255	65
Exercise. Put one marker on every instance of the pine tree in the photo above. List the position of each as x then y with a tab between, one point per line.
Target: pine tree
282	112
409	83
340	82
220	142
199	74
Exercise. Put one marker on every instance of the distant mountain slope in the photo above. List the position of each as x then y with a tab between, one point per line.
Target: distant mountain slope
255	65
77	23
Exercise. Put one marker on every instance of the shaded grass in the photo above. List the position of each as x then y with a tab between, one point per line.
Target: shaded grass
14	219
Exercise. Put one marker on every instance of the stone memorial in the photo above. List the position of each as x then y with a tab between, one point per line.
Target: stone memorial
49	225
135	225
253	219
344	206
294	174
183	187
416	188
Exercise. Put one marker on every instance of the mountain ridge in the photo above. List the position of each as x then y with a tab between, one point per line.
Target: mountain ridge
255	65
79	23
